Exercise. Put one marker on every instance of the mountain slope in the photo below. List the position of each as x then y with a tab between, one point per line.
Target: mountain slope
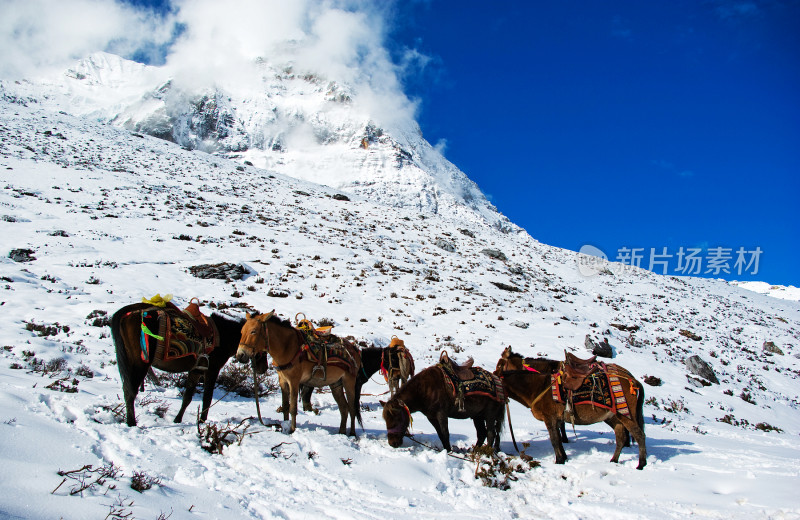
95	217
295	123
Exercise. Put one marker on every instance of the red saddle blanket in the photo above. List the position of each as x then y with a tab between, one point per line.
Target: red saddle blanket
603	389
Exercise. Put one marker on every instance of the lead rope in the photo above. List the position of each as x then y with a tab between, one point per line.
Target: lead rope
256	384
510	428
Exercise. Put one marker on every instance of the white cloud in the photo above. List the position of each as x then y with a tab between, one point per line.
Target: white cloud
42	36
219	42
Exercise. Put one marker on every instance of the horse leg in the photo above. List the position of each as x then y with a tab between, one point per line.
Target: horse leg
353	404
293	394
341	402
612	422
188	393
620	433
305	396
131	390
439	422
285	399
551	422
480	429
562	430
638	436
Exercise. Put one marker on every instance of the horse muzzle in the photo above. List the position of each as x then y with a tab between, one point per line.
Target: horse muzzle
243	354
395	439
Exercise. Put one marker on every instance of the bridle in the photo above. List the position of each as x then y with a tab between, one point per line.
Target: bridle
264	331
400	429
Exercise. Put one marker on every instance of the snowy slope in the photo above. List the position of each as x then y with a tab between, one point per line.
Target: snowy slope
111	216
292	122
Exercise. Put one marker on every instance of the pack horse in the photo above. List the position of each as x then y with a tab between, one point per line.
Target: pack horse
303	357
173	340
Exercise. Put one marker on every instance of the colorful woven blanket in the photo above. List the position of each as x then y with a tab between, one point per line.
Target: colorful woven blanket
177	335
483	383
601	389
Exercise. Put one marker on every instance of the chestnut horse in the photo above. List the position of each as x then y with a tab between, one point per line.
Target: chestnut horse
264	334
428	392
126	331
534	391
542	365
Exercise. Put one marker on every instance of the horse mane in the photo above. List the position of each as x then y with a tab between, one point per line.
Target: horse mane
226	322
277	320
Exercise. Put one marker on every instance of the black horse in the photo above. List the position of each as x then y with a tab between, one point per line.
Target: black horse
126	330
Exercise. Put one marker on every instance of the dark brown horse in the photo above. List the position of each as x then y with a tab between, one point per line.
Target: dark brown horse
534	391
126	330
513	361
429	392
264	334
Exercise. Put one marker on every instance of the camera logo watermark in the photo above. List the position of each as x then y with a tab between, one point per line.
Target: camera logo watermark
687	261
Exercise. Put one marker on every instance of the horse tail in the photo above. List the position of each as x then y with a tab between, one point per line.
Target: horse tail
122	355
640	408
359	384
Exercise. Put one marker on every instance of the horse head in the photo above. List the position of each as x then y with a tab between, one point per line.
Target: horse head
254	343
398	419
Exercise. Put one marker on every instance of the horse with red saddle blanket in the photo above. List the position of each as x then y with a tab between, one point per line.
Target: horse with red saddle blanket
581	392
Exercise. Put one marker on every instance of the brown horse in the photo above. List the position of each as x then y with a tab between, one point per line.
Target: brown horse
534	390
551	366
513	361
264	334
126	330
429	392
373	359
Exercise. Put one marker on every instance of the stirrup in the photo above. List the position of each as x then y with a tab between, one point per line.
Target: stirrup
320	368
202	362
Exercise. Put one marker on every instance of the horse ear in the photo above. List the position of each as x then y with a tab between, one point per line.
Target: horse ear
247	315
383	403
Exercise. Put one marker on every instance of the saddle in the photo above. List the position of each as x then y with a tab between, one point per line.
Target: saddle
463	372
324	348
575	370
181	332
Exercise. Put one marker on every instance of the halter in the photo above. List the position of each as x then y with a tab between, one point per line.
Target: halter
398	429
265	331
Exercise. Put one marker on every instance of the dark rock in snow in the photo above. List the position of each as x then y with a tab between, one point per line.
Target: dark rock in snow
772	348
446	245
22	255
221	271
496	254
698	367
652	380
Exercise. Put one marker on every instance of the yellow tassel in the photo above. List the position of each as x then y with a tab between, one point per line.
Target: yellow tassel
158	300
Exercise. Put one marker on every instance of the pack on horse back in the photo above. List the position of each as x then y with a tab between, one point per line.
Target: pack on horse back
169	333
465	380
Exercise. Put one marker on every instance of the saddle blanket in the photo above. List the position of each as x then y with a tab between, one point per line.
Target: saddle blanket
329	350
599	389
177	335
483	383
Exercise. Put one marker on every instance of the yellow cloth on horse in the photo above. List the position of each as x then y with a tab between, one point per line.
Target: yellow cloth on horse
158	300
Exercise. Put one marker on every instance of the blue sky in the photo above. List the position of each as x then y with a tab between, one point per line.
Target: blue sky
631	126
623	124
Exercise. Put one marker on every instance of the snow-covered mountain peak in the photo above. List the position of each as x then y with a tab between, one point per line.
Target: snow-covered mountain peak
297	123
